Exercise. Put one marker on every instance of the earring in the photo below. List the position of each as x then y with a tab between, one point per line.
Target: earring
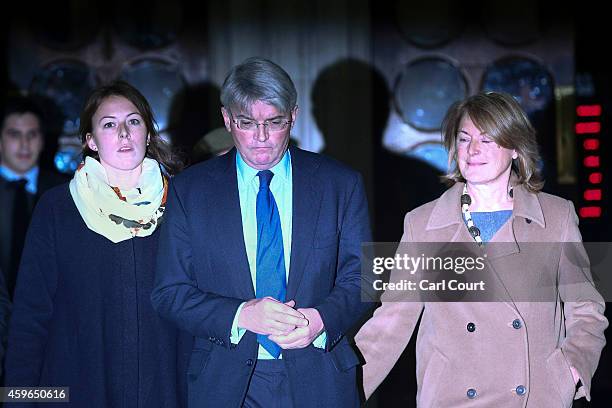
95	149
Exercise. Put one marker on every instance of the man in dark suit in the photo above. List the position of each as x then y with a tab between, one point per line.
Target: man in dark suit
21	179
5	313
259	259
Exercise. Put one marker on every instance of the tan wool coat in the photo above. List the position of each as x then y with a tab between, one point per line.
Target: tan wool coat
480	354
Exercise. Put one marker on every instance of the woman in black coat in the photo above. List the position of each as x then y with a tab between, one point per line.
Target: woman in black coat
82	316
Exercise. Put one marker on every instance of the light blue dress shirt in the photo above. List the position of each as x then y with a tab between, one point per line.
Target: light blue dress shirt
282	189
31	177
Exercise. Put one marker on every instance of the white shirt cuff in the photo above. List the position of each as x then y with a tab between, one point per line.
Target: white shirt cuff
237	333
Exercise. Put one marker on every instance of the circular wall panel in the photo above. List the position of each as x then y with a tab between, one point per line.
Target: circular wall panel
149	24
432	153
527	80
159	81
425	89
65	25
431	23
63	86
511	24
66	84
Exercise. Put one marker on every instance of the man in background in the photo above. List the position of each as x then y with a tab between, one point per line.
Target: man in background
22	181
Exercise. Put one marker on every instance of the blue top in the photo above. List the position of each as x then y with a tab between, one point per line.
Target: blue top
490	222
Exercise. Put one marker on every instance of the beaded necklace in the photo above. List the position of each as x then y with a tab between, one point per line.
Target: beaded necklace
466	200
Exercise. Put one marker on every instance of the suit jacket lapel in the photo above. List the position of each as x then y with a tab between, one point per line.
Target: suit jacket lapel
306	207
226	215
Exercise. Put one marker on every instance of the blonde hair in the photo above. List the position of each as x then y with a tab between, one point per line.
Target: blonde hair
501	117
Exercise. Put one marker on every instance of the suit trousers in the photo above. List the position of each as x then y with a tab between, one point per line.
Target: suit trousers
269	386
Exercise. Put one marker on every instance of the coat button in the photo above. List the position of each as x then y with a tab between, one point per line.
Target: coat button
249	362
516	323
471	327
471	393
521	390
527	220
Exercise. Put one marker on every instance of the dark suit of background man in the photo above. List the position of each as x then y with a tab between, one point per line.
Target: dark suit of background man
21	179
259	259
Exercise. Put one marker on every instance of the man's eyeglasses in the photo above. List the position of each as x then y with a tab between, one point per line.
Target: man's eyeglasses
274	125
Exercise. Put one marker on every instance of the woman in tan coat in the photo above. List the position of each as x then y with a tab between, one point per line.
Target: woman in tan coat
513	353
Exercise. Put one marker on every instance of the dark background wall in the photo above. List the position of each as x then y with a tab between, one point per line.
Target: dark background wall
347	59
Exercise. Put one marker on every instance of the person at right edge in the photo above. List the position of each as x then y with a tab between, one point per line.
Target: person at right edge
495	354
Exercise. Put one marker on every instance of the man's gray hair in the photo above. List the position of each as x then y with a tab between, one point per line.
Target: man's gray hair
258	79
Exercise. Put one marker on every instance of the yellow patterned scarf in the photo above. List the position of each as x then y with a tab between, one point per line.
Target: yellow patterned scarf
115	214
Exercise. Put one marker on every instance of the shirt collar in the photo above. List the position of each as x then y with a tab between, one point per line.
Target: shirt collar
281	169
31	177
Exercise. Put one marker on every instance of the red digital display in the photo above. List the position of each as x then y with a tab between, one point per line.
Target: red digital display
591	161
595	178
588	127
588	110
590	212
592	194
591	144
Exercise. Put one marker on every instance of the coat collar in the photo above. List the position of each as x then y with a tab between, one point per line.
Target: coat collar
447	210
527	205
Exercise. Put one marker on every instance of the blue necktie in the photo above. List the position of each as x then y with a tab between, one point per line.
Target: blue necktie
270	279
